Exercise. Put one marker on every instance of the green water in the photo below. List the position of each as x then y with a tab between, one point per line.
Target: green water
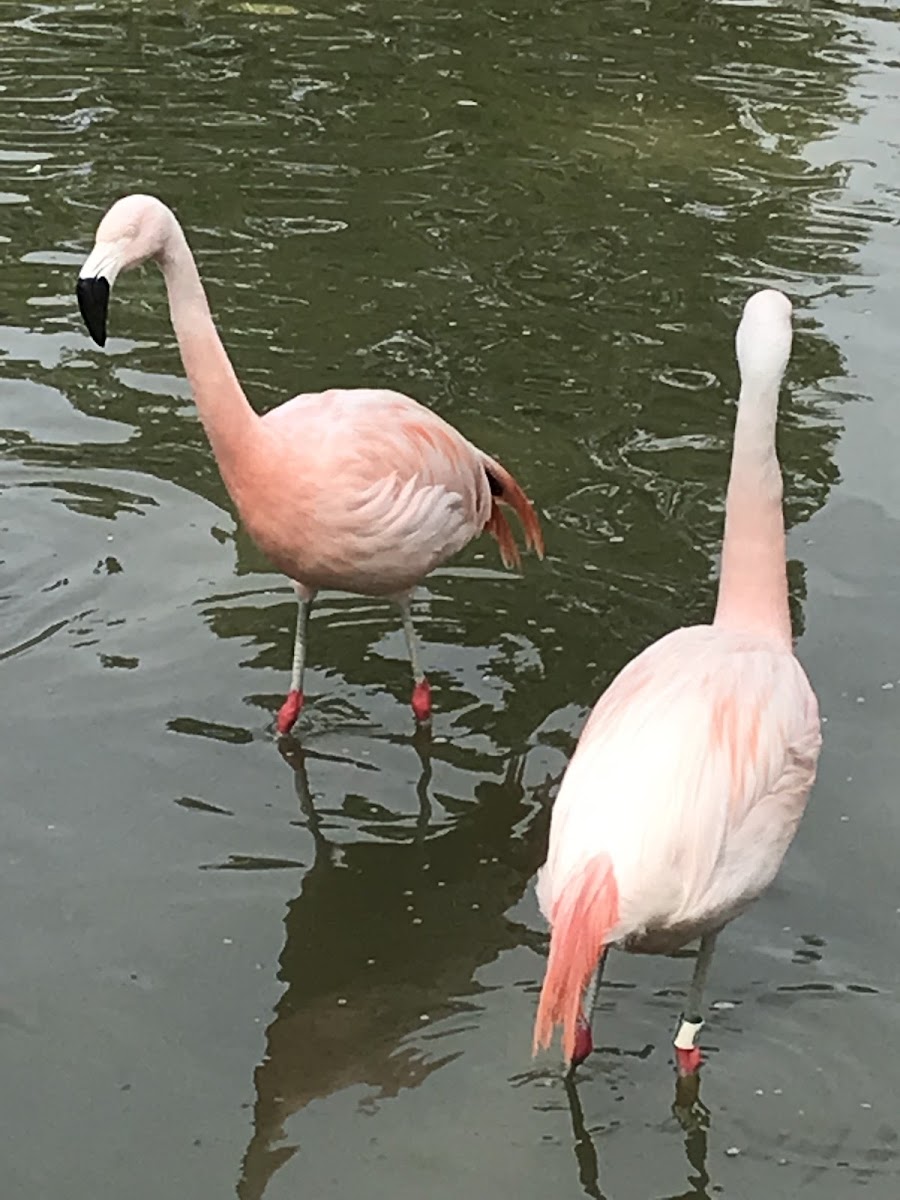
237	969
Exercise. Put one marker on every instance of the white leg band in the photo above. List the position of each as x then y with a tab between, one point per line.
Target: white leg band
686	1036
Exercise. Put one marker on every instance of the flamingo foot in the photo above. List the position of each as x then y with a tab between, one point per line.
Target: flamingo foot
584	1042
289	711
688	1061
421	700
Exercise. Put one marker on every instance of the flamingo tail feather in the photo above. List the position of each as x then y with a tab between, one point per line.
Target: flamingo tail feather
585	912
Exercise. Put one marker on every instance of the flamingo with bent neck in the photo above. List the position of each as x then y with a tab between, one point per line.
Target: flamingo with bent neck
693	771
360	490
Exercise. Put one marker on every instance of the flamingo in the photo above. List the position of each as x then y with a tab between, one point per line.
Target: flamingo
361	490
694	768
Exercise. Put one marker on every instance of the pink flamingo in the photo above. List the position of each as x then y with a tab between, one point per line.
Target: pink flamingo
360	490
692	773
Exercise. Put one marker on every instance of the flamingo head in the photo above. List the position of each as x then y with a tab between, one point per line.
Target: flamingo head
763	340
135	228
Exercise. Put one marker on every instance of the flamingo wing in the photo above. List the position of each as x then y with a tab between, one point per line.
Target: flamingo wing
394	490
689	779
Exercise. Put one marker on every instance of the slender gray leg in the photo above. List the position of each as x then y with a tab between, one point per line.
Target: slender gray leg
421	696
290	710
590	996
584	1038
692	1017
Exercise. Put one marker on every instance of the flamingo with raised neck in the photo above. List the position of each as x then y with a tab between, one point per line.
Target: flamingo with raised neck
694	768
360	490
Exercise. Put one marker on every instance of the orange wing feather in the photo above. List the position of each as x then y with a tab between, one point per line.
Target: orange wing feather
505	491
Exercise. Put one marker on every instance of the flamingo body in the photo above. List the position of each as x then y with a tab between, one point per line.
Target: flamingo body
694	768
389	491
360	490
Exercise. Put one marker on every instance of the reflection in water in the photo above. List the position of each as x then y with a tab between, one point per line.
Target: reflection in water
383	940
585	1150
690	1113
693	1117
543	227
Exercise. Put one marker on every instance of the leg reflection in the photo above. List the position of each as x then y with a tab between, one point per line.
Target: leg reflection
422	745
689	1111
693	1116
585	1151
357	971
295	756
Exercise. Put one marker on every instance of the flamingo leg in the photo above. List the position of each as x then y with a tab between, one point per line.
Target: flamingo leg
290	710
687	1052
421	695
584	1039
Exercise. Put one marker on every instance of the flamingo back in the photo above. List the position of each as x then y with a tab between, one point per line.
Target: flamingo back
390	490
690	777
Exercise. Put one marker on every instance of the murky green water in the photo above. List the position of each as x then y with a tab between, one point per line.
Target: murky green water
233	971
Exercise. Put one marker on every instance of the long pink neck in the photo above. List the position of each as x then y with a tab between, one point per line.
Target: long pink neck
231	425
753	592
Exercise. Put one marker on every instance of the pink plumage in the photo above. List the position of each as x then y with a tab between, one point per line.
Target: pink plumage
385	490
360	490
693	771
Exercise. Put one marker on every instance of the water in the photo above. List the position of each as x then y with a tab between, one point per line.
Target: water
234	969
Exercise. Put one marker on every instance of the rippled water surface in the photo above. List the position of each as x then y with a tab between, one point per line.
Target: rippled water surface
238	968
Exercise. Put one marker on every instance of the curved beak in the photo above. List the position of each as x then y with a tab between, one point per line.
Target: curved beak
95	282
93	300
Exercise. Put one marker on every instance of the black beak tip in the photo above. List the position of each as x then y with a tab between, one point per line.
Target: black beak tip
93	300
